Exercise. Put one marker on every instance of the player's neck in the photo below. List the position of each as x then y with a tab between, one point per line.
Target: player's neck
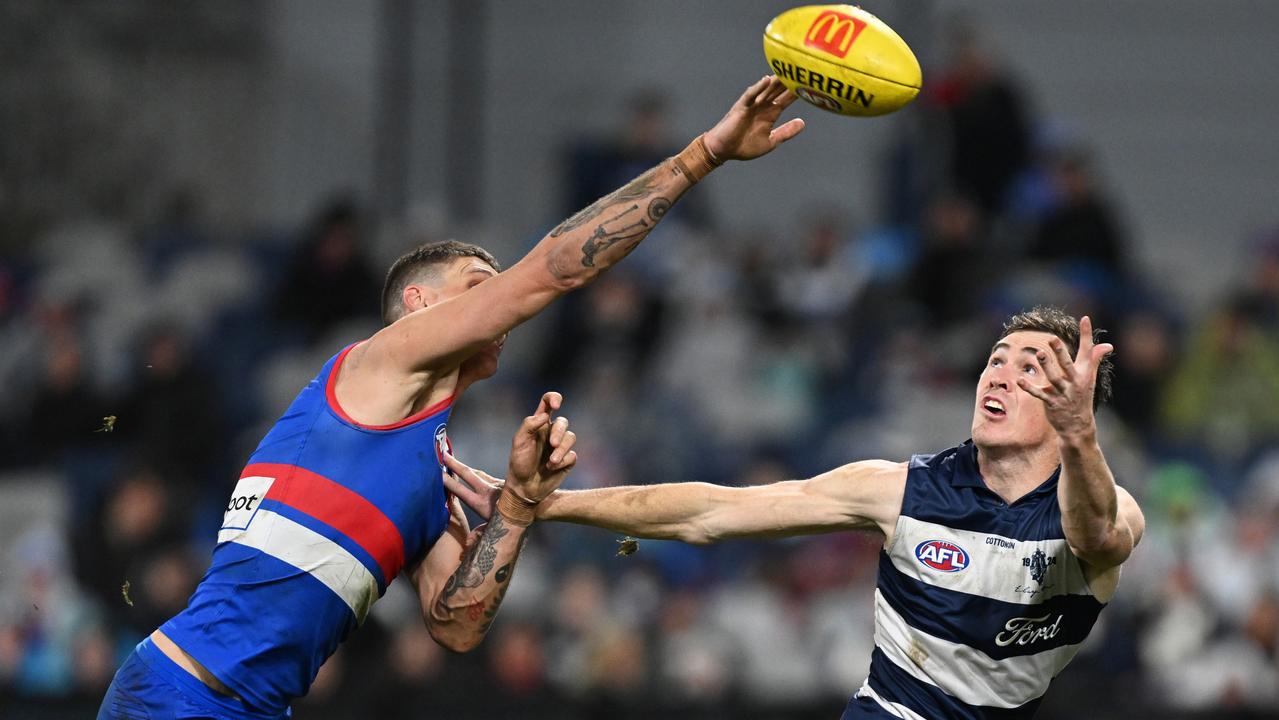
1012	472
439	389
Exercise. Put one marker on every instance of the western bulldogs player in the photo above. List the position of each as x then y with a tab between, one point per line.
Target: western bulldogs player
998	554
344	492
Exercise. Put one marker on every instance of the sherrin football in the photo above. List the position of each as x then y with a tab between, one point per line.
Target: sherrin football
842	59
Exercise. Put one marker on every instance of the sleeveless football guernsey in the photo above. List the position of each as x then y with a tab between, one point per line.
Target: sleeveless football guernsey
324	516
978	605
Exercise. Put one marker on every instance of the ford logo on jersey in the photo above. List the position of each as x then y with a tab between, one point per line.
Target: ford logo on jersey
942	555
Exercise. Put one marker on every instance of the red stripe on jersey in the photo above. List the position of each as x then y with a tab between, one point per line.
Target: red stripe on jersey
330	394
339	507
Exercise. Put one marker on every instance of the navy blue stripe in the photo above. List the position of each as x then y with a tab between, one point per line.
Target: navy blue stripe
896	685
947	489
977	621
864	707
322	528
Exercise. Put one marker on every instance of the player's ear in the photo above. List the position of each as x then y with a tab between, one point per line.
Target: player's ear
416	297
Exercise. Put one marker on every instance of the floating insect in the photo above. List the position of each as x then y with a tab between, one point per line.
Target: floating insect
108	424
627	546
124	590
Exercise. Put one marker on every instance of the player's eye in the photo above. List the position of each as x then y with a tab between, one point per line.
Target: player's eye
1030	369
996	362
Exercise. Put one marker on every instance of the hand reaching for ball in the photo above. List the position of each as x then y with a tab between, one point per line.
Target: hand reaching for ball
747	131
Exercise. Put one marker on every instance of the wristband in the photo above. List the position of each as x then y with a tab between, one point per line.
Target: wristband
696	160
516	509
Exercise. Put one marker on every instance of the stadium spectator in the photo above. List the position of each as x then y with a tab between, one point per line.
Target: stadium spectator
329	279
1081	226
986	117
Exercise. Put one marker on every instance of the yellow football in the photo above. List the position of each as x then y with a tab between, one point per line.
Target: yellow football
842	59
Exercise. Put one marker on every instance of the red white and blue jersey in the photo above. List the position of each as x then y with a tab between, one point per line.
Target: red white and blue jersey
324	516
979	604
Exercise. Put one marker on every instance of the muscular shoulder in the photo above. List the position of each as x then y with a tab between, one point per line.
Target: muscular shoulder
867	489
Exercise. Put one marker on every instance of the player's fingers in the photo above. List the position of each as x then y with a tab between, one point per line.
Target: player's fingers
563	449
558	428
1034	390
1052	371
567	463
461	491
749	96
1085	337
786	131
461	474
785	99
533	423
549	403
774	91
1100	352
1066	363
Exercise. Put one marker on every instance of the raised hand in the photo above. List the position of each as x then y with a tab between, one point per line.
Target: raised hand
1068	398
542	452
747	131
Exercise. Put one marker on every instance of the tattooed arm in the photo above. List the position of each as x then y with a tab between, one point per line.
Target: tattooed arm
460	599
579	248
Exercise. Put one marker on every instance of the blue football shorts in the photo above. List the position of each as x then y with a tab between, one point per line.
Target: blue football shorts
150	686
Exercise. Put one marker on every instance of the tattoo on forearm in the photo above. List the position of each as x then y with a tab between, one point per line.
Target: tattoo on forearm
658	208
503	574
640	187
604	239
491	613
475	565
478	560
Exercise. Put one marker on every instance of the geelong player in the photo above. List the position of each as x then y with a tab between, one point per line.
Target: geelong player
342	494
998	554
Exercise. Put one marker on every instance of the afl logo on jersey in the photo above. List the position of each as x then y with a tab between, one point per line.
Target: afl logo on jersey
942	555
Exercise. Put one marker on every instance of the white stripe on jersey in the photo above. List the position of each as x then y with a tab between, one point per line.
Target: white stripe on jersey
995	563
311	552
894	709
966	674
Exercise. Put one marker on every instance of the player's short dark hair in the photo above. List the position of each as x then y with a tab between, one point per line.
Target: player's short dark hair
422	264
1055	321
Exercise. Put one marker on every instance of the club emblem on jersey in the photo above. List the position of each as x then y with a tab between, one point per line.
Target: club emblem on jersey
1038	563
442	445
942	555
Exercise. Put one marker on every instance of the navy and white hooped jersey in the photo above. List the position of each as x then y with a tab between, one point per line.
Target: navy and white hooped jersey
979	604
324	516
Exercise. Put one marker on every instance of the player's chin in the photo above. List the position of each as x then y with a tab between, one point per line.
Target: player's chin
989	435
483	365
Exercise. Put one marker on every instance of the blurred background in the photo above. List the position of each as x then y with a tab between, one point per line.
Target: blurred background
198	202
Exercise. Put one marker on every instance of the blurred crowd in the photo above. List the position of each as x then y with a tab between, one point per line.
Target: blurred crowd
142	362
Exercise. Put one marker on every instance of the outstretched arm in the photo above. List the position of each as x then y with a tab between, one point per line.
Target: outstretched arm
583	246
1101	520
460	598
863	495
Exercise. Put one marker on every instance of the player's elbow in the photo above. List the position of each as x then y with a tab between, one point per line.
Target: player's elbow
565	275
1103	549
450	634
696	536
700	531
452	637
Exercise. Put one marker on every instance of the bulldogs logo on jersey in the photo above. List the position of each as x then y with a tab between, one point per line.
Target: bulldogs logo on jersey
442	445
941	555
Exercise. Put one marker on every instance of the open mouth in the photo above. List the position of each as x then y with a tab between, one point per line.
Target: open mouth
993	407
